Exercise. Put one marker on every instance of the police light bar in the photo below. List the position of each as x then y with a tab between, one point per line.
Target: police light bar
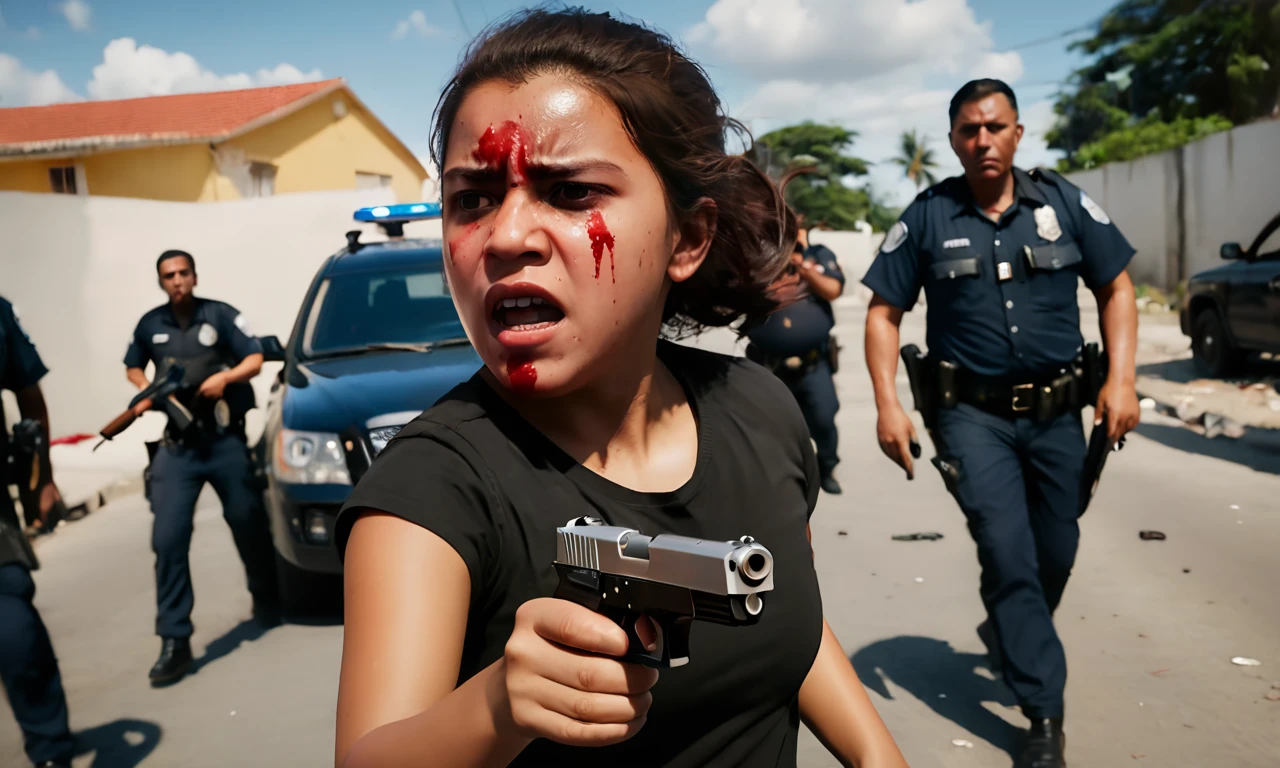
382	214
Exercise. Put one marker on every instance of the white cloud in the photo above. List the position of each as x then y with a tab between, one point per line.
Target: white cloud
1001	66
77	13
843	40
20	87
417	23
129	70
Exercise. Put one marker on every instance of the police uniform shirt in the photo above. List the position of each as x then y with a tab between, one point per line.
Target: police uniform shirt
499	489
1001	295
20	367
217	331
805	324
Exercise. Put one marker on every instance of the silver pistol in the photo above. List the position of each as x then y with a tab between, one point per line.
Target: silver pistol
622	574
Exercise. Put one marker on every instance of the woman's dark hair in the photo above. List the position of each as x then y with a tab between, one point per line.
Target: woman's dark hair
674	117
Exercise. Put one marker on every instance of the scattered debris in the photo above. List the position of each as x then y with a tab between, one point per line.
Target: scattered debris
233	713
1235	506
1141	635
1148	404
962	743
1241	661
1161	671
1137	755
919	579
1273	696
1151	535
1142	703
1186	570
844	533
931	536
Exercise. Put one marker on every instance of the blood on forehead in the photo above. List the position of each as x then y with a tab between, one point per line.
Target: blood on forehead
504	144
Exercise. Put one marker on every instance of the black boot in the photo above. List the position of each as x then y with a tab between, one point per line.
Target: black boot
830	485
266	612
1046	745
174	661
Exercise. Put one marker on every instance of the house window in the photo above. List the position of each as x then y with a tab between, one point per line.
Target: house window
372	180
262	180
62	179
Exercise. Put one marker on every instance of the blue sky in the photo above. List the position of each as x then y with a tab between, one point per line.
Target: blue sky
877	66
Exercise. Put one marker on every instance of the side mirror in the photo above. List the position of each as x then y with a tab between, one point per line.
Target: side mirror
1232	251
272	350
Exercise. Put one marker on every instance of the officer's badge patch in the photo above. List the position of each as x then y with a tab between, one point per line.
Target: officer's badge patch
243	324
208	335
1047	223
1094	209
897	234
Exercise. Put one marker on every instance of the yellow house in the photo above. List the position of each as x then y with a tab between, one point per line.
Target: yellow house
206	147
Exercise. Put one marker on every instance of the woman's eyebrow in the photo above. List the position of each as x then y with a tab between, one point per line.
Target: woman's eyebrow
535	171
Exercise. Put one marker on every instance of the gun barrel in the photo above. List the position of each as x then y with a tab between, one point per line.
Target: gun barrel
119	424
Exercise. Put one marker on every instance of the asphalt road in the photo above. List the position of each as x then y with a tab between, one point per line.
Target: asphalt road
1149	643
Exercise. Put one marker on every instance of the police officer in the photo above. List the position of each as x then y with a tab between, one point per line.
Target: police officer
795	343
28	666
209	339
999	253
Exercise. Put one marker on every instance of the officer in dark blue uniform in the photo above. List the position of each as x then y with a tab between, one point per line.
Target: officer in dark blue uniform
28	666
795	343
210	340
999	253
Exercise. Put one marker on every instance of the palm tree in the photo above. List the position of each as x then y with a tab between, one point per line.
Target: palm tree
917	160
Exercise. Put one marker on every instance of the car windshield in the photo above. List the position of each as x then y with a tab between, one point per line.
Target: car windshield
404	308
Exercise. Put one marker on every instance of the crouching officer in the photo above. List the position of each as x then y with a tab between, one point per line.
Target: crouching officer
795	343
28	666
999	253
208	339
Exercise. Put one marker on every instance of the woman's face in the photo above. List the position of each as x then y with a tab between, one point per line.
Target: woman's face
557	242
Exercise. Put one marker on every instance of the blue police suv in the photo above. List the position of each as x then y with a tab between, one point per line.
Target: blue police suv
376	341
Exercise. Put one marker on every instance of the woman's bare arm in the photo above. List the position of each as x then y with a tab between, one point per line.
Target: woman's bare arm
835	706
407	598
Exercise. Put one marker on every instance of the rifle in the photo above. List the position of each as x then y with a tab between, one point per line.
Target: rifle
157	393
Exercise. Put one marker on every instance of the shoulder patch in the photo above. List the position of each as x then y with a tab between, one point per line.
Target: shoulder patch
895	237
242	323
1095	210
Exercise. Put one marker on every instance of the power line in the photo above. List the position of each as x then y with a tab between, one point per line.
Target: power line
461	19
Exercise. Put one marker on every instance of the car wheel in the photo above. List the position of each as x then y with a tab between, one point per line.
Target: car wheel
1211	350
307	594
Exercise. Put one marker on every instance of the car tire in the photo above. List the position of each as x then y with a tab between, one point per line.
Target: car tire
1212	353
304	594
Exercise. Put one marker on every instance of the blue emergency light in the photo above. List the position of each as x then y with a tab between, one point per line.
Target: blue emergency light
383	214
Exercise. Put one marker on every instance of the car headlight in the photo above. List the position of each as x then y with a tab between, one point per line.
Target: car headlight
381	436
311	458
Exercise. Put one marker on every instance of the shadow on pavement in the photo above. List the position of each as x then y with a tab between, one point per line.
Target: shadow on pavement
246	631
1259	449
119	744
1184	372
928	669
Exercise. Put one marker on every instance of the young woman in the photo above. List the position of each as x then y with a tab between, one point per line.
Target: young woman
588	201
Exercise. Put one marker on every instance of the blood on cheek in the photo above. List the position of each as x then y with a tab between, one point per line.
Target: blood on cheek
600	237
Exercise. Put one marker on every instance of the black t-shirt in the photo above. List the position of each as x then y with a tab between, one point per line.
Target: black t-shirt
475	473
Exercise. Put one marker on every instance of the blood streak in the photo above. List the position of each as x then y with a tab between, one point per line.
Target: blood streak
504	144
600	237
522	375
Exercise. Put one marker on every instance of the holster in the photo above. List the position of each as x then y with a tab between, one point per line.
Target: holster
833	354
152	447
933	387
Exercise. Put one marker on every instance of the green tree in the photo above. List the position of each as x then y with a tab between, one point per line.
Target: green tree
1195	65
917	160
824	195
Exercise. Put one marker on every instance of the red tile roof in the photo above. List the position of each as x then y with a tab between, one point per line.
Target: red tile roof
155	119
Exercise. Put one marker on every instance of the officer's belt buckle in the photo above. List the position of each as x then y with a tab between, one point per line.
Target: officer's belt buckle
1017	388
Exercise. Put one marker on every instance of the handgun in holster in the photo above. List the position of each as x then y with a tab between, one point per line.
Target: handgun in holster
674	580
933	386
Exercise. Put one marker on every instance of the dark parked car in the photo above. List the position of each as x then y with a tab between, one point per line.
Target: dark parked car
1234	310
376	341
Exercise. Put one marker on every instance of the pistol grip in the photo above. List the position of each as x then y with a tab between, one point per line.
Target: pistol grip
588	589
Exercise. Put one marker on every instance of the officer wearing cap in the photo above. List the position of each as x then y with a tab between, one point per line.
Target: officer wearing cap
999	253
795	344
28	666
210	340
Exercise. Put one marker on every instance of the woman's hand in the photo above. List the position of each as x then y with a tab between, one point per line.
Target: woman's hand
559	689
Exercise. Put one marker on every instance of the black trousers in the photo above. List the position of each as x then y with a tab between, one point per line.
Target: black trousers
178	474
815	391
1019	488
29	670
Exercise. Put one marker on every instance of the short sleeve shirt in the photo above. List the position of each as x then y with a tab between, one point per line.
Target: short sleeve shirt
1001	295
805	324
473	472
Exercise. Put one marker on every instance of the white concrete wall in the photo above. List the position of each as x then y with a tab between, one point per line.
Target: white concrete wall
1231	183
81	271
